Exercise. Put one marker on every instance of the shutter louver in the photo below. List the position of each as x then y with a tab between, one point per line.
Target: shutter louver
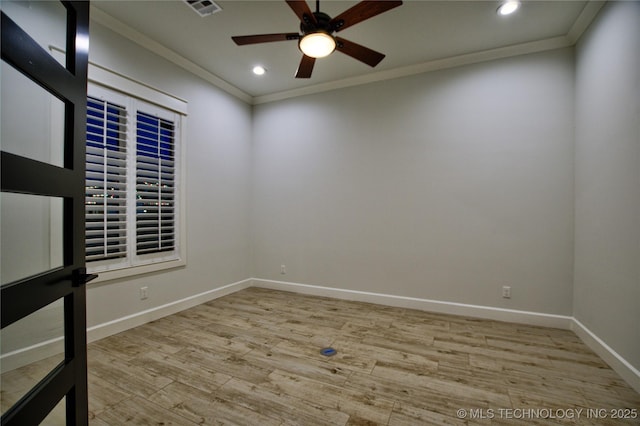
106	198
155	184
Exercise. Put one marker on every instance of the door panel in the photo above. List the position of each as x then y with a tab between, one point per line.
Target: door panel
43	138
43	220
30	235
22	370
44	21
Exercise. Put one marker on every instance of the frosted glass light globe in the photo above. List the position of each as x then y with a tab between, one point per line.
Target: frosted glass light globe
317	45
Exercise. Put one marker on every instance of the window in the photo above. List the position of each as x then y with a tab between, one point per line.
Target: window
155	218
133	202
106	181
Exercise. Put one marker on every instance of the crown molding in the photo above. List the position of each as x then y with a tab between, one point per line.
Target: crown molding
582	22
126	31
438	64
586	17
588	14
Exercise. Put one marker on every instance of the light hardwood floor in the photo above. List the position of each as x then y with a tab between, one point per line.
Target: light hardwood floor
253	358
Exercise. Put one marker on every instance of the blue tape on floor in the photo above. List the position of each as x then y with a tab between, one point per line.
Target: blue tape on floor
328	351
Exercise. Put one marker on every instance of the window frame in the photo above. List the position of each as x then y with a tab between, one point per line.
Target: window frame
104	84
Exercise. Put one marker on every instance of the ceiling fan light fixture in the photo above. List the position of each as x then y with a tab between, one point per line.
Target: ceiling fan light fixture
316	40
317	44
508	7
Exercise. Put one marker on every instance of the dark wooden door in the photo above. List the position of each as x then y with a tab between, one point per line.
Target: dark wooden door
22	176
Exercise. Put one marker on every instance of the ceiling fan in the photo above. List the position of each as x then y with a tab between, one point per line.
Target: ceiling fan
317	39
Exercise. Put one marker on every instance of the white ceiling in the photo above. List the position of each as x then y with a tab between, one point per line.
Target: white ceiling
412	36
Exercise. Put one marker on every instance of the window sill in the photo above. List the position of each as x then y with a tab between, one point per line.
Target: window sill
131	272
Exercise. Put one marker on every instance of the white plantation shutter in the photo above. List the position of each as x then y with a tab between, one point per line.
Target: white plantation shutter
106	181
133	202
155	184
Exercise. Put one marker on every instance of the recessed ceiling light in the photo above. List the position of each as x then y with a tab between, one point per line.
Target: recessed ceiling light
259	70
508	7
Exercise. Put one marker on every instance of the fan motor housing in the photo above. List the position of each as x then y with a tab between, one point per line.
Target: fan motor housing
306	26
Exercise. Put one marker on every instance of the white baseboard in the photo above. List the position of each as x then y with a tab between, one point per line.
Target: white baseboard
476	311
101	331
620	365
28	355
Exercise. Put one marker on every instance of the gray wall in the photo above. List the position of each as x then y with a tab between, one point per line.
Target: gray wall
218	160
446	185
607	161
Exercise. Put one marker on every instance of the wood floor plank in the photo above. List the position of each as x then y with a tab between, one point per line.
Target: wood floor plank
533	399
123	346
206	340
552	353
361	327
252	338
141	411
414	346
179	370
343	360
289	409
97	422
399	390
226	363
149	336
136	380
205	408
103	395
408	415
318	369
365	406
499	354
451	386
205	314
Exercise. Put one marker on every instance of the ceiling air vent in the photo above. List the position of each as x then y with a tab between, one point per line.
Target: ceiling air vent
203	7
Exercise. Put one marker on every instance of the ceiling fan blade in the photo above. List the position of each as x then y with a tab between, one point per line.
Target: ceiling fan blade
361	53
301	9
361	11
306	67
264	38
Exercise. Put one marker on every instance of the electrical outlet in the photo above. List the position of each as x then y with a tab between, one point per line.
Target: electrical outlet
144	292
283	269
506	292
